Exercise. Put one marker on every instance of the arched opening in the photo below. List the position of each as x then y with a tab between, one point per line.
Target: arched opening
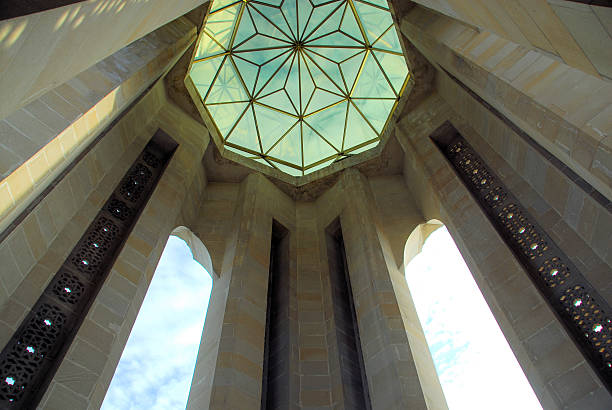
474	362
156	367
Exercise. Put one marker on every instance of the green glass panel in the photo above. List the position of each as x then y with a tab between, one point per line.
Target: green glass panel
274	3
330	123
245	29
291	171
304	11
327	66
227	86
364	148
259	42
279	100
323	2
395	68
336	55
207	47
276	70
315	148
374	20
277	80
289	9
389	41
226	115
319	14
350	69
357	130
322	99
307	85
320	79
219	4
329	25
220	25
293	84
289	149
372	83
376	111
245	133
320	166
265	56
379	3
350	26
203	73
247	71
269	21
272	125
335	39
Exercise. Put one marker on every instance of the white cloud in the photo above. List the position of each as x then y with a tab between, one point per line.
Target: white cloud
476	366
157	364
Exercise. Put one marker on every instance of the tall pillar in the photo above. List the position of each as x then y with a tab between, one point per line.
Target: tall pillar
43	50
556	369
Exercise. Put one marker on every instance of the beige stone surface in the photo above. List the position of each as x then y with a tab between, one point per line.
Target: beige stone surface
553	103
40	51
514	55
48	141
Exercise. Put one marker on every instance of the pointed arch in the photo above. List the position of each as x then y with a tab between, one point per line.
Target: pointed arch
198	249
464	338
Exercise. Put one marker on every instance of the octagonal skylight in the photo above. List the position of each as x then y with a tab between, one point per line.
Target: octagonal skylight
299	84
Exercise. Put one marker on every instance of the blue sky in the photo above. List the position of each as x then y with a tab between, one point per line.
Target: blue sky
476	366
157	364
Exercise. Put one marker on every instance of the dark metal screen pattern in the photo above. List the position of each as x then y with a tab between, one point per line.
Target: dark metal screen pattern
585	314
30	359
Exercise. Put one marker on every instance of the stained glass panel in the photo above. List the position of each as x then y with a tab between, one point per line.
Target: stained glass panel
299	84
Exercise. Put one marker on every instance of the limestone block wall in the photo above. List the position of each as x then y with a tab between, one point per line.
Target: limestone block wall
229	369
591	27
235	223
38	141
37	246
576	33
564	109
555	368
40	51
579	219
55	225
393	379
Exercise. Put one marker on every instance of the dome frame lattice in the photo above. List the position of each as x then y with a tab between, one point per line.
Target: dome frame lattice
299	84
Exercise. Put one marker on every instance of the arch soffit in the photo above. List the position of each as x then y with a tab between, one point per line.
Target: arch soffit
416	240
198	249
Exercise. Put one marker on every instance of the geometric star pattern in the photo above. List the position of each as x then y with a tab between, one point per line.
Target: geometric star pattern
299	84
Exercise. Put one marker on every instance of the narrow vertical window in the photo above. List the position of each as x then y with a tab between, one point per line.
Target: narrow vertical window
276	371
354	381
475	364
157	364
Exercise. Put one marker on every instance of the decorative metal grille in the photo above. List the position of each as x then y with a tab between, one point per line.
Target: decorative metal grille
585	314
31	357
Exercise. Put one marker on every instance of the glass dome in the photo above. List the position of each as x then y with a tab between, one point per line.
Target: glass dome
299	84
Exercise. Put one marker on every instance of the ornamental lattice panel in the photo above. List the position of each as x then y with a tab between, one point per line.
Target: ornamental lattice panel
584	313
31	357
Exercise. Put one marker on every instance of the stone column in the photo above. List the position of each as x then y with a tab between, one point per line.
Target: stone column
552	363
43	50
229	369
39	141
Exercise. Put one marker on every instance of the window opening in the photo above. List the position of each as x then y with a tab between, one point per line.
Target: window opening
157	363
475	365
298	84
